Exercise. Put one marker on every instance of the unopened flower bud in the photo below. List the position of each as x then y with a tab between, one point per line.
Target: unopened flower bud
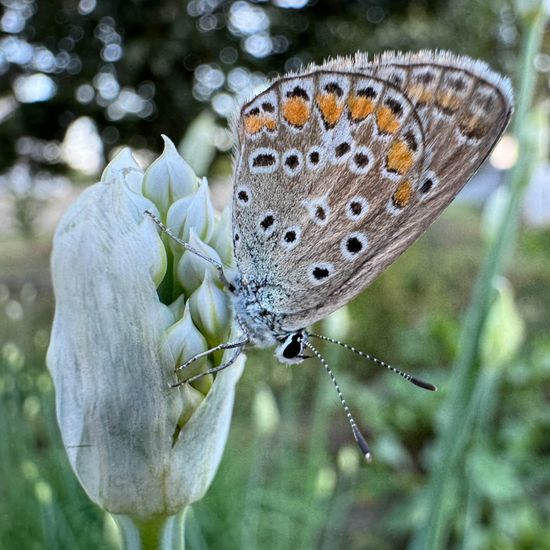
168	178
139	447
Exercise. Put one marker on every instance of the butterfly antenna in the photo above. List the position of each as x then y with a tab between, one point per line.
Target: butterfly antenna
405	375
354	428
191	249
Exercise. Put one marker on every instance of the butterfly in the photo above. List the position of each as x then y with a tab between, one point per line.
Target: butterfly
338	170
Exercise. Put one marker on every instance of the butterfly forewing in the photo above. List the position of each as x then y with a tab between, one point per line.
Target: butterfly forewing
341	168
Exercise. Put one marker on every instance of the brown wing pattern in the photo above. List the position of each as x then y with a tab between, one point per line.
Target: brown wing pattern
341	168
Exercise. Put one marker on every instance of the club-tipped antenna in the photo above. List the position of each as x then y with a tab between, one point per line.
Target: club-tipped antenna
405	375
361	441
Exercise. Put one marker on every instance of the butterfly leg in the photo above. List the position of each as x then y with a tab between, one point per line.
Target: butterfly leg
213	370
227	345
192	249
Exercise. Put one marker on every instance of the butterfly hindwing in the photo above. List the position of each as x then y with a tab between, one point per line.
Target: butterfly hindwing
341	168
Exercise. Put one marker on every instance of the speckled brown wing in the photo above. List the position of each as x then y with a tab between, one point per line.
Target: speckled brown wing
341	168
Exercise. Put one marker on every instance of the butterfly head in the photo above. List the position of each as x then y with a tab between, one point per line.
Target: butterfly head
290	350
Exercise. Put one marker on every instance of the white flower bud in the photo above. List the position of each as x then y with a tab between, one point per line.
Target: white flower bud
210	310
504	329
222	239
139	447
192	212
124	168
177	307
191	269
185	341
168	178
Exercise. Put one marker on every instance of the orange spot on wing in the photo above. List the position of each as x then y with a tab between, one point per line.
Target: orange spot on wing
474	128
331	109
360	107
296	111
255	123
386	120
419	94
402	195
400	158
449	102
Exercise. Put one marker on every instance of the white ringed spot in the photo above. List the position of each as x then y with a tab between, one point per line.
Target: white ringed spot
353	245
315	158
341	151
427	184
361	161
243	195
293	162
318	209
357	208
291	237
267	224
263	160
320	272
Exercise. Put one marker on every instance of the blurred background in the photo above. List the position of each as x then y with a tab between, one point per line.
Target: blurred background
468	467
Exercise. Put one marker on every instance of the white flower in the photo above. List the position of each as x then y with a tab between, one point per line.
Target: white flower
139	447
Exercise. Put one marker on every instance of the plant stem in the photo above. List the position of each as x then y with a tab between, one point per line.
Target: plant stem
455	432
162	533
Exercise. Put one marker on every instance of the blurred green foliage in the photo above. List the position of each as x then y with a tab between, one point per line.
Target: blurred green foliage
300	482
295	479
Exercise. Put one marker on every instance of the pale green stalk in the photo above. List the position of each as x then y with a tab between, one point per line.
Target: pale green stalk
160	533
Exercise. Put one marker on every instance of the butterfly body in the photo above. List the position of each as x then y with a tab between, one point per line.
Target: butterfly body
263	326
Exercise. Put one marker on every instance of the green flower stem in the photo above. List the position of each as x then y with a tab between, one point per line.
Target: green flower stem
463	397
161	533
485	406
